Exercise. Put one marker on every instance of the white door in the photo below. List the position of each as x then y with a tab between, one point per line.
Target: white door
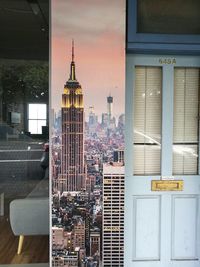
162	184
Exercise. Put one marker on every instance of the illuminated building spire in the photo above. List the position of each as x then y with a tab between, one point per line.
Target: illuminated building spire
72	71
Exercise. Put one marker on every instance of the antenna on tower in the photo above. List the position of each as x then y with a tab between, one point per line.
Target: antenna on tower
72	49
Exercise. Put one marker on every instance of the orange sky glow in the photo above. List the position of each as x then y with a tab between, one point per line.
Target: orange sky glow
98	29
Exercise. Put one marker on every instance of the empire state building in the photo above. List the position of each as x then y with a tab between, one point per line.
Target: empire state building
72	176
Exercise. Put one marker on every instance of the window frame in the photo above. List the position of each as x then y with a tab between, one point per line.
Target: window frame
28	119
147	42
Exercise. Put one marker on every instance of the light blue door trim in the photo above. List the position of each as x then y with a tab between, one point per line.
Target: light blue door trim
128	211
129	116
167	120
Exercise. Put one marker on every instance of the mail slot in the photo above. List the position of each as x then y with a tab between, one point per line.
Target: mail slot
175	185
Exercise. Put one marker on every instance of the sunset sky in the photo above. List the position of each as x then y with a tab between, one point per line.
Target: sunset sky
98	29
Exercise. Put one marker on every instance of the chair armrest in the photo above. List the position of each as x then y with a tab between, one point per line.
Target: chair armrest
30	216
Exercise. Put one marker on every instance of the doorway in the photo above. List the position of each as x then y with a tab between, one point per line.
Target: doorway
162	161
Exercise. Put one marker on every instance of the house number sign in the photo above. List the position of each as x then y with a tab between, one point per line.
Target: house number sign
167	61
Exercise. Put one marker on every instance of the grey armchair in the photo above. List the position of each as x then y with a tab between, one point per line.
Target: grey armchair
30	216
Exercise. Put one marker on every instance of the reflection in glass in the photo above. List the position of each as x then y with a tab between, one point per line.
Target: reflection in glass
35	126
147	120
38	111
168	17
186	114
24	202
37	118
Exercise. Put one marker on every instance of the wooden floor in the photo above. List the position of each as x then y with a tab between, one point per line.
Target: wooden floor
35	248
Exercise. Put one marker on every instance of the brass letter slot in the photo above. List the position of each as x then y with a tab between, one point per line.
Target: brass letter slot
159	185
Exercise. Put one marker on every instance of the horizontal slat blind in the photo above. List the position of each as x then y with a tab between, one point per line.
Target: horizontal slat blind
186	112
147	120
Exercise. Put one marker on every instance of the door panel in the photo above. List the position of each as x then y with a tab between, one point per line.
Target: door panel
184	227
147	227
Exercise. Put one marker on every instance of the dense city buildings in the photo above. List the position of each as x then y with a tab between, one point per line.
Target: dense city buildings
113	215
68	260
72	176
102	146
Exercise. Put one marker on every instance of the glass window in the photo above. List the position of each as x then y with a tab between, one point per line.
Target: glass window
37	118
24	158
186	121
23	162
147	120
169	17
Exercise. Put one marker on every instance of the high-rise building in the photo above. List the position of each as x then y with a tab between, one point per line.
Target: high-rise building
93	120
57	237
111	118
104	120
72	176
79	232
95	242
68	240
87	231
110	107
121	121
118	155
113	215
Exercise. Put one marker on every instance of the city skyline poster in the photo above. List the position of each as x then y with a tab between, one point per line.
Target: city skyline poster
88	57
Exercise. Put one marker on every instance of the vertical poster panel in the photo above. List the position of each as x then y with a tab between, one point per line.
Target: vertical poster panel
88	58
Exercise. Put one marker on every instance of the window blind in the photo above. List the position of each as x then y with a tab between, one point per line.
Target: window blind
147	120
185	129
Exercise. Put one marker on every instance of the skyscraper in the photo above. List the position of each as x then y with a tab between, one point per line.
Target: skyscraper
93	120
78	232
110	107
72	176
113	215
118	155
94	242
111	118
